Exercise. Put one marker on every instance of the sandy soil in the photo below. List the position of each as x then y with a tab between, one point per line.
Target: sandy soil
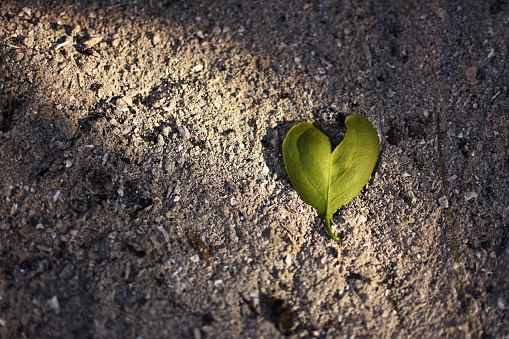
143	191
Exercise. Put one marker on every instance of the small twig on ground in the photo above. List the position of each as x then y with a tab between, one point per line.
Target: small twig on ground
205	250
255	119
454	237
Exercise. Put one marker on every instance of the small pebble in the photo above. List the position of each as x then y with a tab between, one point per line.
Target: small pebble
63	226
93	41
160	140
66	42
443	202
156	38
470	195
501	303
471	74
184	132
53	302
195	258
198	68
166	131
207	328
288	260
27	11
196	333
127	100
81	80
19	56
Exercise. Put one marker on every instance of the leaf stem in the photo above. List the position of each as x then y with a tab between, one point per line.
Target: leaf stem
329	230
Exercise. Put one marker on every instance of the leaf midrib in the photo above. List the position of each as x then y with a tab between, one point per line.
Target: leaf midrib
329	202
314	186
329	185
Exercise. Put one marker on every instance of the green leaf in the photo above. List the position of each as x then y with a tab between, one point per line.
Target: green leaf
328	181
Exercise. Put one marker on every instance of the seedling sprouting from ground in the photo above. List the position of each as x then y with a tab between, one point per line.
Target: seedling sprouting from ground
330	180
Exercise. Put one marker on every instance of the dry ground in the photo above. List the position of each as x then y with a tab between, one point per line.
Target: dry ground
137	135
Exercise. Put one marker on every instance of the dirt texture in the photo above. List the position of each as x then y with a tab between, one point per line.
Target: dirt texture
143	192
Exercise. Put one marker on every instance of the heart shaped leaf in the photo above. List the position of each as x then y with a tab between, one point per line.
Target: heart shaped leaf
329	180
